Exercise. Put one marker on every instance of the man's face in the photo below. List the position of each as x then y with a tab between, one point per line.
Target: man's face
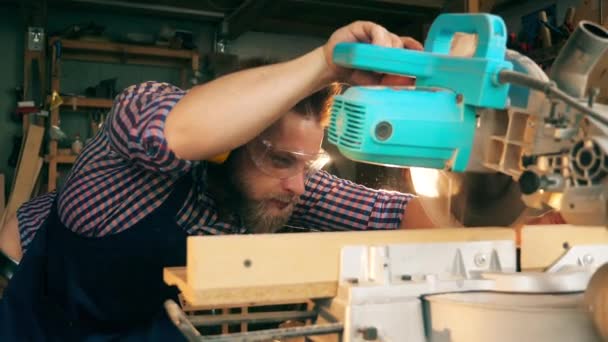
270	171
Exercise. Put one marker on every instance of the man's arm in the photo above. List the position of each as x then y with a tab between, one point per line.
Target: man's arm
331	203
135	127
9	239
20	229
415	216
223	114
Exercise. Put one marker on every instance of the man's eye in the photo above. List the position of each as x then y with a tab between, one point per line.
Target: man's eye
281	161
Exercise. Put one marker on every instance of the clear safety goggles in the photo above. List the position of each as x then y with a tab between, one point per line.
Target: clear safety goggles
280	163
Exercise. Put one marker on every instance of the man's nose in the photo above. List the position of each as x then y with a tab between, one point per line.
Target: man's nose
295	184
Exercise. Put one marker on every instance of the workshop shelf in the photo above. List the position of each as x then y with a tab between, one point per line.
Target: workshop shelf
75	102
187	61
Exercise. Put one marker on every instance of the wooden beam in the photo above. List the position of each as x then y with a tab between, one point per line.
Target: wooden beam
249	269
543	245
27	171
243	18
123	49
250	296
108	58
472	6
75	102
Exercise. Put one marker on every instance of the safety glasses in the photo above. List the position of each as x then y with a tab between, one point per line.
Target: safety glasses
280	163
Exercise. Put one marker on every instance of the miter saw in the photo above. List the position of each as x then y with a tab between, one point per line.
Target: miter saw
487	118
493	119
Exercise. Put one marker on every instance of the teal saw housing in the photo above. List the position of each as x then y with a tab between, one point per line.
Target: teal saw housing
433	124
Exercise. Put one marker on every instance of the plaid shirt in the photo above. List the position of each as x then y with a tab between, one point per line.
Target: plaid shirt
127	171
31	215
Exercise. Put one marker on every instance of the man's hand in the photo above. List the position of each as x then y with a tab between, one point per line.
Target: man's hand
367	32
415	216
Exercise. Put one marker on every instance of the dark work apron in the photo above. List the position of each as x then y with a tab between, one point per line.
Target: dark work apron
72	288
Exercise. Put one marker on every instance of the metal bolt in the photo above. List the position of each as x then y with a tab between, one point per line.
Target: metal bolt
384	130
481	260
369	334
588	259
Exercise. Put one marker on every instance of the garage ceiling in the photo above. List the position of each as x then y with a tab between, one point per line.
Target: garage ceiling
309	17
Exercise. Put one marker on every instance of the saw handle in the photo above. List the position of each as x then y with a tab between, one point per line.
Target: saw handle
491	46
490	30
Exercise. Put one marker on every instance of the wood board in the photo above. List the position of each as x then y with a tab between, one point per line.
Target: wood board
249	269
543	245
27	171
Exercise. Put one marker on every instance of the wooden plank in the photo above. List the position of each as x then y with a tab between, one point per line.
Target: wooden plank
27	169
543	245
61	158
472	6
70	44
104	58
250	295
246	269
275	259
87	102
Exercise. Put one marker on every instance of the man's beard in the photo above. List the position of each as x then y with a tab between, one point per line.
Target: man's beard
230	193
257	218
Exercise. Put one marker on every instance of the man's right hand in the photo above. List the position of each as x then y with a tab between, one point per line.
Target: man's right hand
363	32
228	112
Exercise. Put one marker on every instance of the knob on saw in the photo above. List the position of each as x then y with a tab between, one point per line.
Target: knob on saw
596	300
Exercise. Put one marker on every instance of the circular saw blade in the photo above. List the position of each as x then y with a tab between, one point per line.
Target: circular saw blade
468	199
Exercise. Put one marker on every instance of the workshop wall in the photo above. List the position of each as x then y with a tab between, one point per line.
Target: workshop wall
513	16
277	46
11	74
77	76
